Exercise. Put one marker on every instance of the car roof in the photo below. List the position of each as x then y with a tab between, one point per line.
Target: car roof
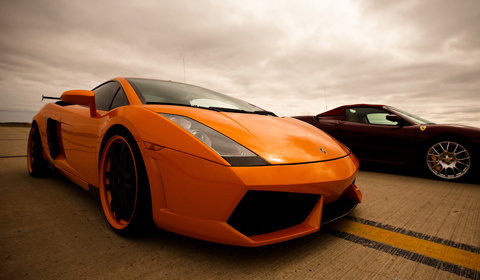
340	111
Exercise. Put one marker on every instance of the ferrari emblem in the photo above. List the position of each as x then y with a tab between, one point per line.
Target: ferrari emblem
422	128
323	151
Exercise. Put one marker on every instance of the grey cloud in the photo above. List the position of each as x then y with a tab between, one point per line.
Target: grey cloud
415	55
430	23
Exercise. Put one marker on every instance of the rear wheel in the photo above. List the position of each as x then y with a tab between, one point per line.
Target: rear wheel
37	165
448	160
124	188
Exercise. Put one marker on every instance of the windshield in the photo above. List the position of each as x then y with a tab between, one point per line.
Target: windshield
172	93
409	116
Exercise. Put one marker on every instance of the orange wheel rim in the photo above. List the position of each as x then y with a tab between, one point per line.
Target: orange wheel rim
31	149
118	182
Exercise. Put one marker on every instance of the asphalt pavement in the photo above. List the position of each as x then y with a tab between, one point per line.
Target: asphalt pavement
407	227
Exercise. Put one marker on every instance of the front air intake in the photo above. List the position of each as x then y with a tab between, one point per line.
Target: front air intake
261	212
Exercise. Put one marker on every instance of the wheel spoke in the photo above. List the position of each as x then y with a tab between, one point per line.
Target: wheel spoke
115	205
126	208
124	154
129	186
109	181
123	203
456	147
464	159
441	146
113	160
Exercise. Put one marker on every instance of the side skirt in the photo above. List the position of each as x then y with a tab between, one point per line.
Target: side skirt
85	185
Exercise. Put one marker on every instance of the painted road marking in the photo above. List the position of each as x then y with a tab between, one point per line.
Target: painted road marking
438	240
457	258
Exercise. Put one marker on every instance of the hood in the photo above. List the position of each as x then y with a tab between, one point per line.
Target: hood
277	140
469	132
287	140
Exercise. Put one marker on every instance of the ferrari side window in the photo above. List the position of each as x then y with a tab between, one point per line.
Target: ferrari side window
104	95
368	116
355	115
380	118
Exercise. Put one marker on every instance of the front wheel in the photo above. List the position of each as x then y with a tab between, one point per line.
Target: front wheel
448	160
124	188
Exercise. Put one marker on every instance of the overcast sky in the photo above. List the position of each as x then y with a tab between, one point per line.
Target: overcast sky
290	57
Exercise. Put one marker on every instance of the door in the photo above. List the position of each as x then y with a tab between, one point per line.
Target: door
81	135
371	136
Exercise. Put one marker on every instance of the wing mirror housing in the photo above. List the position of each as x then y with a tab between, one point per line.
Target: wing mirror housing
395	118
81	97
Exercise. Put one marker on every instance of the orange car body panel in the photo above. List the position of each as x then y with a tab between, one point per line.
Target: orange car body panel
193	189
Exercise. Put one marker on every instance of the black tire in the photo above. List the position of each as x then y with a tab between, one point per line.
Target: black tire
124	187
448	160
37	165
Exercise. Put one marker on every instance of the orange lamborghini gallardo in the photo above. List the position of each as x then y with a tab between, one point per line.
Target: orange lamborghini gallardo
194	161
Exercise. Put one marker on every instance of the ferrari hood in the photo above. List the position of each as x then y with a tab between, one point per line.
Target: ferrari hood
277	140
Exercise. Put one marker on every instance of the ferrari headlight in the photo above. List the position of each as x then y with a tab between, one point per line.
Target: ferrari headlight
231	151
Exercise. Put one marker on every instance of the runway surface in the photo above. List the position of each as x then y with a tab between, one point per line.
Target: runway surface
407	227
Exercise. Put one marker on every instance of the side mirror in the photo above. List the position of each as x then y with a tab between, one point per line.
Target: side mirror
395	118
81	97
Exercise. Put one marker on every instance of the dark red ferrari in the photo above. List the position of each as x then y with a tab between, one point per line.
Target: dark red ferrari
380	133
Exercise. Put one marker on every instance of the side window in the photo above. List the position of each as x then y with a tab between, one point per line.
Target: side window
120	99
355	115
380	118
104	95
368	116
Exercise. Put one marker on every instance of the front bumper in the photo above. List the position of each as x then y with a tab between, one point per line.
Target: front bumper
245	206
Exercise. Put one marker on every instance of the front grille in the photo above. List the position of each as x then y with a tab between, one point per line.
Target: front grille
337	209
261	212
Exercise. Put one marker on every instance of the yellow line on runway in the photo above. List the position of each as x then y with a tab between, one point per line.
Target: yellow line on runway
420	246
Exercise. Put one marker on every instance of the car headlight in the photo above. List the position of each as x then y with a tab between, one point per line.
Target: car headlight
231	151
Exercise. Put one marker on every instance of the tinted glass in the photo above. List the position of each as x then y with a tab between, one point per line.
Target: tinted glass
368	115
104	95
165	92
380	118
120	99
411	117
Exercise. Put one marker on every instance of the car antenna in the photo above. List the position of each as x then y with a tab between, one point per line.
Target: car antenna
184	75
325	97
50	97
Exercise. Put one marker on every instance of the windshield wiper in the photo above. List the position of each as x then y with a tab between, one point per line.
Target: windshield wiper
218	109
260	112
170	103
266	113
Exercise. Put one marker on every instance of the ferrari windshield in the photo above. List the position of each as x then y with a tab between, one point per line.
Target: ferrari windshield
409	116
172	93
